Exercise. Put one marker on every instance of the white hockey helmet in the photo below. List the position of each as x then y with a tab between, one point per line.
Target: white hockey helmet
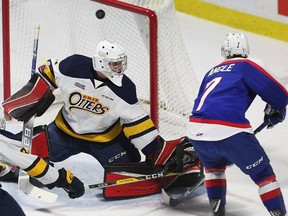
111	60
235	45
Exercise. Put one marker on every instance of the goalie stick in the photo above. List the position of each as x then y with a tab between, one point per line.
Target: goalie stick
164	173
27	135
35	192
176	201
169	200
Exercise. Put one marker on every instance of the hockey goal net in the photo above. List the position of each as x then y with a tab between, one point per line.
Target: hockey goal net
148	30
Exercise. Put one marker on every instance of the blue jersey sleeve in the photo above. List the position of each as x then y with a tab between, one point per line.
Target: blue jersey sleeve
264	85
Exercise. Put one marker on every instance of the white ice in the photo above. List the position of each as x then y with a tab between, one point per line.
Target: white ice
203	40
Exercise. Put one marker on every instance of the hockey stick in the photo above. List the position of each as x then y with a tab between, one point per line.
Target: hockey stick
27	136
176	201
164	173
169	200
261	127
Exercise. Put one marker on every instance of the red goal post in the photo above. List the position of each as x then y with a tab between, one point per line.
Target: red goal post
158	61
153	49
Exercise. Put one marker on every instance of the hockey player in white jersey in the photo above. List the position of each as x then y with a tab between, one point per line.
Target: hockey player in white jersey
101	115
11	155
220	132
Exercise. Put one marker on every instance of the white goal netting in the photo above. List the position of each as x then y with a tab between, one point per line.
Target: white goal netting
71	26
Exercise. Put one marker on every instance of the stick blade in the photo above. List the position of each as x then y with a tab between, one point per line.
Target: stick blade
35	192
168	200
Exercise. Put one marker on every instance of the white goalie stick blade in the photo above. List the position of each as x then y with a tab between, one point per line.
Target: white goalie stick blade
176	201
33	191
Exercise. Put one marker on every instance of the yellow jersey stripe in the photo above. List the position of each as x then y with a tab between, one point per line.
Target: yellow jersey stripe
138	128
102	137
38	168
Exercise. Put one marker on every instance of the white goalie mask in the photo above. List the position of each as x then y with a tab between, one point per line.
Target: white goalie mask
235	45
111	60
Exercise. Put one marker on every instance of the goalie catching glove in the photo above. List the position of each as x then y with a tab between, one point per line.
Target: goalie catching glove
33	99
176	157
71	184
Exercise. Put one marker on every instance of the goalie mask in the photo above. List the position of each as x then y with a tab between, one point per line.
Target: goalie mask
235	45
111	60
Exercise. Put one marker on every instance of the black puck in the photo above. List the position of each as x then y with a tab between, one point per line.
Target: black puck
100	14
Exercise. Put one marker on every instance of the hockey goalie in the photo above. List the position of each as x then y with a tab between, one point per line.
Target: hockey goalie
101	116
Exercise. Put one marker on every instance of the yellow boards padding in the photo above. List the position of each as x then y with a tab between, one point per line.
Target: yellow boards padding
235	19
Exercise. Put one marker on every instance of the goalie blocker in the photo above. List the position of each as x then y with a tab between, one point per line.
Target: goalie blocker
40	142
176	157
33	99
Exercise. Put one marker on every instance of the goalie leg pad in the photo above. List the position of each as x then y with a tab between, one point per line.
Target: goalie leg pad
33	99
138	188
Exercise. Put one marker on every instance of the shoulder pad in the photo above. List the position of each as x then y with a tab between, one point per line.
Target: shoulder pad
77	66
127	91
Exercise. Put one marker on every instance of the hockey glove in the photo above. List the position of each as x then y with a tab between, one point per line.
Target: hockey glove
70	183
273	116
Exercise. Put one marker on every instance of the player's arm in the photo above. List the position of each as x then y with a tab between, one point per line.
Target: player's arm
271	90
52	178
36	167
257	76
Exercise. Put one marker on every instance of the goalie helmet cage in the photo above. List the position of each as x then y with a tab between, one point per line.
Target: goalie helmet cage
148	30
